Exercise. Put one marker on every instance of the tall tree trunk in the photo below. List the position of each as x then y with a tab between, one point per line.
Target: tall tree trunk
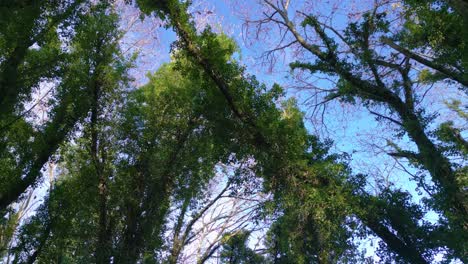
102	251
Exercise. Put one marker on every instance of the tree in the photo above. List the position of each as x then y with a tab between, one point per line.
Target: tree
387	80
26	147
90	86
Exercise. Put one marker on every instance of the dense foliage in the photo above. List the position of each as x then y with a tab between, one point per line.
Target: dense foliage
130	168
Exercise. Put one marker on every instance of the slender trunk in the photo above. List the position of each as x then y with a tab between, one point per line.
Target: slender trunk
177	239
370	211
454	199
128	252
103	245
54	134
404	250
102	252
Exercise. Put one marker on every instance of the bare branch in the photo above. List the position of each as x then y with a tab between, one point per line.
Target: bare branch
386	117
448	72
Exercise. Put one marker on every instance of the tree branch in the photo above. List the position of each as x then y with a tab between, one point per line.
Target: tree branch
446	71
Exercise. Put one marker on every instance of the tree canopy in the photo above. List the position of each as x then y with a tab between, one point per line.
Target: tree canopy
205	162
